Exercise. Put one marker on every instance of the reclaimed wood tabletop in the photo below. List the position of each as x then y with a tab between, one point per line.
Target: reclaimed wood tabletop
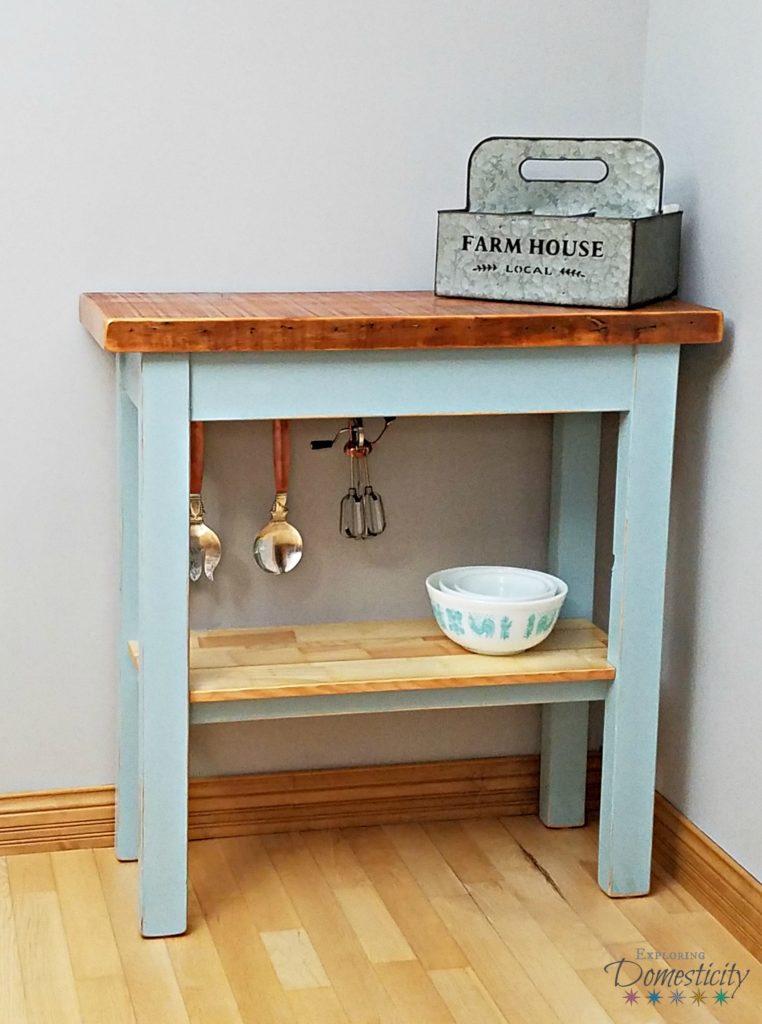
353	321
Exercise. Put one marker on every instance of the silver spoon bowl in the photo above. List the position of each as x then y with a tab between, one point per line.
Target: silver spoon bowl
278	545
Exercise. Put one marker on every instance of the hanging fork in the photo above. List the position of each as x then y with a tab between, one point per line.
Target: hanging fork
205	547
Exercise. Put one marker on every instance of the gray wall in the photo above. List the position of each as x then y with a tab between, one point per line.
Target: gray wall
703	99
457	491
286	145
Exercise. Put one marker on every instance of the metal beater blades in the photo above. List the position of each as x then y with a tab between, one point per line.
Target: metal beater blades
361	513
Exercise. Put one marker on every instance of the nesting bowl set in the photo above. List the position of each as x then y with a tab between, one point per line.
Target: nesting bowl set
495	609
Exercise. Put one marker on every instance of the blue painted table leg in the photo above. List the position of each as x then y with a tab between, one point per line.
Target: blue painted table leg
573	515
644	471
163	589
127	791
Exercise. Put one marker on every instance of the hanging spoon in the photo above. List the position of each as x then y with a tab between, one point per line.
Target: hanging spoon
278	545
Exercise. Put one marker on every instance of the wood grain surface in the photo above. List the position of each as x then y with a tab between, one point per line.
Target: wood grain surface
228	806
330	321
356	657
487	921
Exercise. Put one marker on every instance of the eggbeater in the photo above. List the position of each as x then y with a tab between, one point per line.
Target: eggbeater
361	512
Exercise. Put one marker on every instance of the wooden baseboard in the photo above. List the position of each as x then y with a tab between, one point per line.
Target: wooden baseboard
288	801
718	882
334	798
59	819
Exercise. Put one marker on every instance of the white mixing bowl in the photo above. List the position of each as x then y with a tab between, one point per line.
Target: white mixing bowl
498	583
497	626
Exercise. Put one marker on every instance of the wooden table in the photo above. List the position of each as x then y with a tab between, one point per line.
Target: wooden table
265	356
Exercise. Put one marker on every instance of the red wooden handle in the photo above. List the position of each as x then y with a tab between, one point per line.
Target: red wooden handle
281	454
196	457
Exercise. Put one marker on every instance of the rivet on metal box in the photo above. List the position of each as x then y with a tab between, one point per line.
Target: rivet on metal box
572	222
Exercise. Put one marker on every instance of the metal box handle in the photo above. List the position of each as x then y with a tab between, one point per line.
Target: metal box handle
630	187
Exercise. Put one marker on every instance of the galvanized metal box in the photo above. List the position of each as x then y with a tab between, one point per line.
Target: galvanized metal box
533	232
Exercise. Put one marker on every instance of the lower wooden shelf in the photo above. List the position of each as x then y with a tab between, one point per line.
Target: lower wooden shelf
373	657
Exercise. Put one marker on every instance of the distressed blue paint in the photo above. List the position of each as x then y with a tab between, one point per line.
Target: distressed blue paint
130	374
163	618
644	471
265	385
574	508
127	789
571	553
396	700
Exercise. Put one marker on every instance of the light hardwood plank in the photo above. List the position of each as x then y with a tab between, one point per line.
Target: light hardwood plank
467	999
200	975
413	993
497	968
671	895
604	918
151	982
316	1006
613	1002
424	861
12	1005
539	957
464	857
49	988
336	859
248	968
103	1002
266	898
539	896
295	961
101	986
373	925
363	998
431	942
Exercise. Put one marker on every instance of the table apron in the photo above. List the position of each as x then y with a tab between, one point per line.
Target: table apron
209	712
289	385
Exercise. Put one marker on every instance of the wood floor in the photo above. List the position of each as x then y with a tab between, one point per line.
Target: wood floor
482	921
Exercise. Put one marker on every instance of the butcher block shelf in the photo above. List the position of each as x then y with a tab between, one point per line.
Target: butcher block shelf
364	657
333	321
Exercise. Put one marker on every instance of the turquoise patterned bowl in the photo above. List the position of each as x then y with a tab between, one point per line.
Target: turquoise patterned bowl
494	627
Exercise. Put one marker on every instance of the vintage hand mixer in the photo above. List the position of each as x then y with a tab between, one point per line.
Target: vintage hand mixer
361	513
